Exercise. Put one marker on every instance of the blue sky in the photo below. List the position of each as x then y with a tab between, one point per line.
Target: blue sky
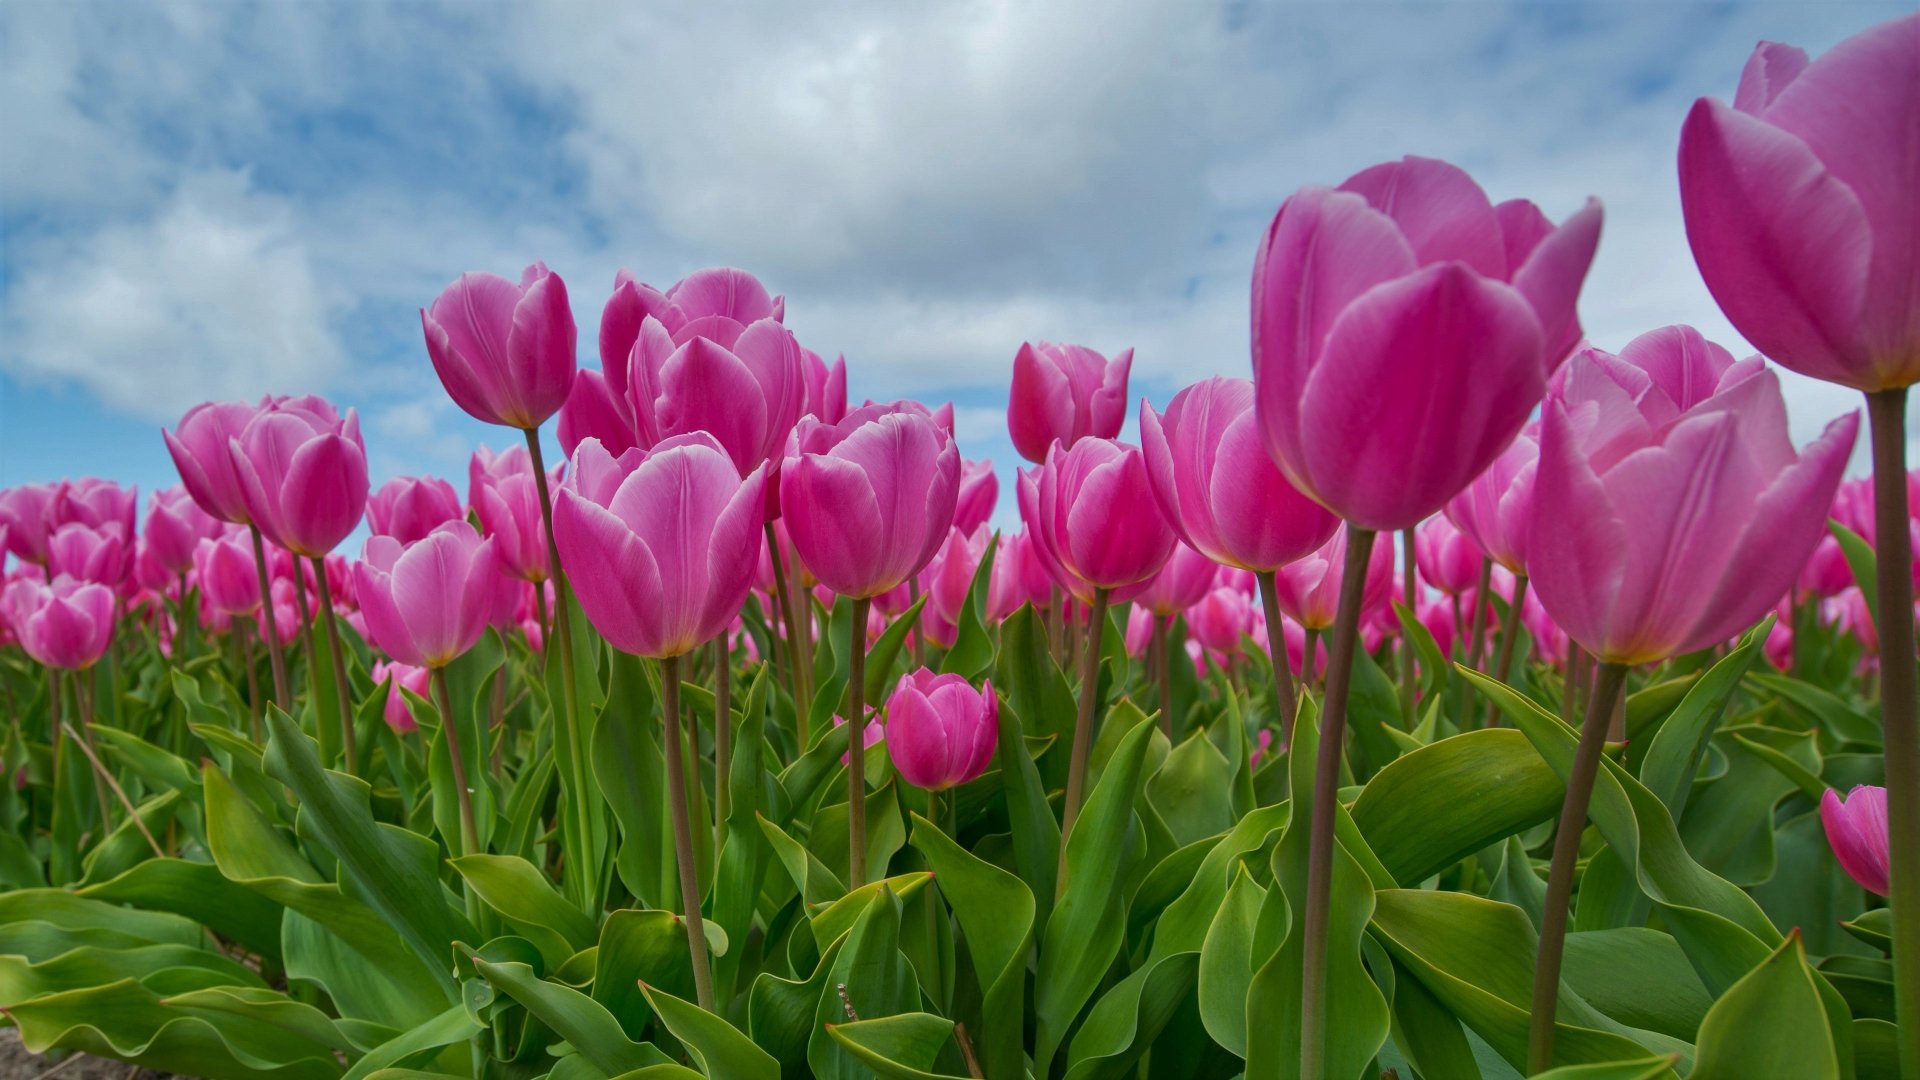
218	199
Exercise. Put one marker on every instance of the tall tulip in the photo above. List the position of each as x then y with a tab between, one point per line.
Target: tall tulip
1222	492
407	508
941	732
1403	329
1670	512
1799	204
1065	393
746	386
664	546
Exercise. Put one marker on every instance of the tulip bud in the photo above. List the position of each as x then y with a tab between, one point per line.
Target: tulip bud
941	732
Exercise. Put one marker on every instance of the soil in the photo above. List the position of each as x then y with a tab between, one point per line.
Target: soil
17	1064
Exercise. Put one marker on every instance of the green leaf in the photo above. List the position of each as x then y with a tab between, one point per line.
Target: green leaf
1416	819
1650	1068
996	913
1674	758
972	652
1862	561
899	1047
715	1045
199	892
1126	1020
1227	961
870	980
635	947
1036	832
780	1012
1770	1023
1637	976
525	898
453	1026
584	1023
885	650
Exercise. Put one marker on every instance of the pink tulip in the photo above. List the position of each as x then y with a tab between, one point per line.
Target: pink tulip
1446	558
224	567
979	490
1065	393
1232	577
1670	510
304	471
1139	633
1308	591
1403	330
663	543
505	495
1827	573
826	387
717	302
504	352
1186	577
398	711
949	574
26	514
1779	646
1856	825
875	732
745	387
1007	587
429	601
175	525
1218	486
1094	517
88	554
1495	511
66	625
593	411
407	508
96	503
941	732
868	500
1218	621
199	445
1799	201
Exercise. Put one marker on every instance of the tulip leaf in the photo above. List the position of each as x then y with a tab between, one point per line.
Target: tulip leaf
635	947
972	652
453	1026
1864	564
1227	962
996	914
899	1047
584	1023
715	1045
1770	1023
1415	819
523	897
1670	764
885	652
198	891
1036	833
870	979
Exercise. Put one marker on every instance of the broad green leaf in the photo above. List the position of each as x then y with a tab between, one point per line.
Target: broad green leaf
528	901
870	979
996	914
899	1047
199	892
640	946
1227	963
1670	765
972	652
584	1023
1416	819
453	1026
715	1045
1770	1023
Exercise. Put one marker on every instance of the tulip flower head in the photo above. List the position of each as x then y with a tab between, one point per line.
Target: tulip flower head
407	508
1065	393
304	472
67	624
1495	511
1856	826
1094	518
941	732
224	567
398	711
175	526
979	490
1446	558
200	448
504	352
429	601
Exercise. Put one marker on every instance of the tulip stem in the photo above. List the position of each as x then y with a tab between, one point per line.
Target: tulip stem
857	744
683	835
243	632
1284	697
580	864
722	739
339	665
1409	596
1900	734
281	696
1162	665
1325	802
463	794
783	602
1083	726
1309	657
83	707
1476	632
1566	851
1509	631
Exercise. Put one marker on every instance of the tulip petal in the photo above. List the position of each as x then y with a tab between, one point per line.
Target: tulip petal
1040	404
1444	215
1551	277
723	290
328	475
835	521
616	580
705	387
1577	545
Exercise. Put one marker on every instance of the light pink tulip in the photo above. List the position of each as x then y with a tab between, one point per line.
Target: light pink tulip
398	712
1186	577
1403	330
941	732
743	385
304	471
868	500
1218	486
1308	591
505	495
175	525
826	387
504	352
1799	203
1446	558
407	508
1670	511
593	411
1496	510
224	568
26	514
1218	621
429	601
66	625
1094	517
1856	826
1065	393
662	543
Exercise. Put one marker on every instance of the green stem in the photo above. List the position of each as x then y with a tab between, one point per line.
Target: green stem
339	666
857	745
1409	596
1509	632
783	603
1887	422
1284	696
683	835
722	740
463	794
243	633
1566	851
1326	789
1083	724
1477	632
1162	664
282	696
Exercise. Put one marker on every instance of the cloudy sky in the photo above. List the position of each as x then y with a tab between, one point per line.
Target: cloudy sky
218	199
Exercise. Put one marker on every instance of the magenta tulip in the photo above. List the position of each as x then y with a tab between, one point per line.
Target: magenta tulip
867	501
96	503
1309	590
429	601
26	513
1856	826
407	508
505	495
1496	509
1799	202
199	445
941	732
663	542
398	711
743	385
1219	620
979	490
593	411
67	624
1065	393
949	575
1218	486
224	567
304	471
1403	330
1670	511
1446	558
175	526
717	302
1093	514
89	554
504	352
826	387
1186	577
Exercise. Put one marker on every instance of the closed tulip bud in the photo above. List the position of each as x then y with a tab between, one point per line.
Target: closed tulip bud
224	567
662	542
1446	558
427	602
1218	621
199	445
407	508
979	490
85	553
504	352
1403	329
1308	591
1093	514
398	711
1670	510
941	732
1218	486
175	525
1799	203
1495	511
66	625
1065	393
868	500
305	475
1856	826
26	513
1186	577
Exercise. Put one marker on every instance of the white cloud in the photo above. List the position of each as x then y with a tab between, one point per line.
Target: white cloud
214	296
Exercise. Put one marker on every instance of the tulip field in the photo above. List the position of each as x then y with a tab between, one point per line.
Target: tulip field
1443	695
